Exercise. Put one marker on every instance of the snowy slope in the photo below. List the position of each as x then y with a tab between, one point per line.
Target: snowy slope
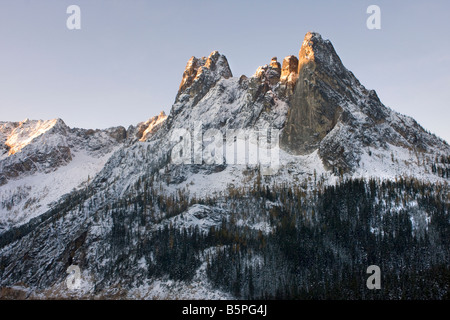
44	161
25	198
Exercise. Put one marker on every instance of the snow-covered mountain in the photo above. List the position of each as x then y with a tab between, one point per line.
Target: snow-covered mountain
139	224
41	161
333	126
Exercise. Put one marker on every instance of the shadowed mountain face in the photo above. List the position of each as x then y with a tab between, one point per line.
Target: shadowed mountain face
140	225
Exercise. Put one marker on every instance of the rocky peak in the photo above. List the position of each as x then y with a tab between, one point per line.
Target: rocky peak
213	60
321	53
274	72
201	74
151	126
190	73
28	130
330	111
274	63
324	86
306	52
119	134
269	74
289	73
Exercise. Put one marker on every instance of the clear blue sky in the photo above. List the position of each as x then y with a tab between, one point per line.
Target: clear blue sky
126	63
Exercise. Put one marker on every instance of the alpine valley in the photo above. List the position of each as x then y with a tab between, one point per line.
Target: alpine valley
357	184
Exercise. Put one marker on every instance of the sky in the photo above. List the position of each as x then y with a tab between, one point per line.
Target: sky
126	62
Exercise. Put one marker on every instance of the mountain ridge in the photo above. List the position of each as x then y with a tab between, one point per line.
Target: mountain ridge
144	222
354	128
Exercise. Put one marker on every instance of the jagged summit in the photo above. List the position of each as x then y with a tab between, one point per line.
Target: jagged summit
289	73
201	74
317	102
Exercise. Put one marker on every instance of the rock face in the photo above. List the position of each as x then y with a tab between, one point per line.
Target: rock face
315	104
119	134
269	73
148	128
202	74
332	112
289	73
274	72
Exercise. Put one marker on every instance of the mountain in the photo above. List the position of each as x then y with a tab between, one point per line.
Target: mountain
332	112
43	160
177	206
